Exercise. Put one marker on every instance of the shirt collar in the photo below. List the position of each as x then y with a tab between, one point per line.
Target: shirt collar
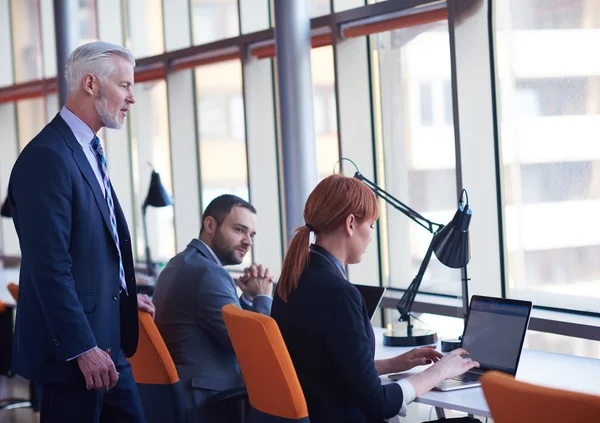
212	253
83	134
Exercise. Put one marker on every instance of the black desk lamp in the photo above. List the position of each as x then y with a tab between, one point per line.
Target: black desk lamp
450	244
157	197
5	210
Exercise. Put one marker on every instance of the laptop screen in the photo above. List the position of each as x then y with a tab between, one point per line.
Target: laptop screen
495	332
372	296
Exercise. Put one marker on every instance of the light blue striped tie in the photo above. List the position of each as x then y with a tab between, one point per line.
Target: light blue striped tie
97	147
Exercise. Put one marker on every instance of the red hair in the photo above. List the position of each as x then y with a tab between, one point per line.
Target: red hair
329	204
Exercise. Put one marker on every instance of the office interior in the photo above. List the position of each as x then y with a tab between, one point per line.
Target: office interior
426	98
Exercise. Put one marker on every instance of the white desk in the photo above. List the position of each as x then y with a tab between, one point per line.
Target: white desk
7	276
541	368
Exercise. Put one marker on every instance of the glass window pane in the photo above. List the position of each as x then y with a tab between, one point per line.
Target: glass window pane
223	160
413	69
145	33
324	110
26	36
52	106
87	24
341	5
151	149
6	70
549	113
31	118
318	8
48	38
255	15
214	20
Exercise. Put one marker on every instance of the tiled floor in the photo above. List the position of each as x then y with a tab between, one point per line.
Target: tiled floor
16	387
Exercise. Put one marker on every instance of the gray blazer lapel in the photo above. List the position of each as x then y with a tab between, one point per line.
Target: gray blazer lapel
84	167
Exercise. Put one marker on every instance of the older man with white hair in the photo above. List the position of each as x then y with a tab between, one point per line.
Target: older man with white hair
77	309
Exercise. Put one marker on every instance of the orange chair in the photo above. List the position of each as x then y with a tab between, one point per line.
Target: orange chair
512	401
273	388
13	288
156	376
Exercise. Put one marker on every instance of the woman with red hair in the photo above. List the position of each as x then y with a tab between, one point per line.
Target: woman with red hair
324	320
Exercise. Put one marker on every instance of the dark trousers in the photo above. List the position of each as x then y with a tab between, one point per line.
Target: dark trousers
75	404
226	411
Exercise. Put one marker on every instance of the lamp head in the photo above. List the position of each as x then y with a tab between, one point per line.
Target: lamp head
157	195
5	211
451	243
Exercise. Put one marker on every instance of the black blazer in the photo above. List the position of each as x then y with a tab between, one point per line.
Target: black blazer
69	283
329	336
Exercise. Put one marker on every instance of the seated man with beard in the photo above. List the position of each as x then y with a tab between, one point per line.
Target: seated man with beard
189	295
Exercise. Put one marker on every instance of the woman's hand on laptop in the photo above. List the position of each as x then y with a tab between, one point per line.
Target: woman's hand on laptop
449	366
416	357
455	363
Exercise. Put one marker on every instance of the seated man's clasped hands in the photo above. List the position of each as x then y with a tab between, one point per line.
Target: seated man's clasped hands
256	280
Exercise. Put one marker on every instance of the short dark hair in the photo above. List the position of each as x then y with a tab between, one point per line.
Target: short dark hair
221	206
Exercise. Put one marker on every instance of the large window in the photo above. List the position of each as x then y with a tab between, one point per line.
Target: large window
223	158
214	20
26	38
150	146
144	27
412	86
31	118
324	110
549	103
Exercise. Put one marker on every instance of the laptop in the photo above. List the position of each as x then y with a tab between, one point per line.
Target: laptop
493	336
372	296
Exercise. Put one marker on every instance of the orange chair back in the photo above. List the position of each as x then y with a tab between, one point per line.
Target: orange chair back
152	363
512	401
155	374
13	288
271	380
2	307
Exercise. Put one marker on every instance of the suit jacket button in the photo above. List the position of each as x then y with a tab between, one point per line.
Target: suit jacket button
115	297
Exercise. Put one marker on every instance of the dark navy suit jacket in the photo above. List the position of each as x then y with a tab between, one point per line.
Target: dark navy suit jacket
69	287
327	330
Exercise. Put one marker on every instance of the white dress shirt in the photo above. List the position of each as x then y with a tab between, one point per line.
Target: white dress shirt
408	395
84	136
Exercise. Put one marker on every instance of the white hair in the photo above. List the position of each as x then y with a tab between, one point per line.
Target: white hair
95	58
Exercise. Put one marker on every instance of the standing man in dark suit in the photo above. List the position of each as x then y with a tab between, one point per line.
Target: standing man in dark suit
189	295
77	310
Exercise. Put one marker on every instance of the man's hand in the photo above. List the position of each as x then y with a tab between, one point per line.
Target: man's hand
145	304
256	281
98	369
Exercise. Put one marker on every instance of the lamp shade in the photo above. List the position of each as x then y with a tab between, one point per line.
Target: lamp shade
5	210
451	244
157	195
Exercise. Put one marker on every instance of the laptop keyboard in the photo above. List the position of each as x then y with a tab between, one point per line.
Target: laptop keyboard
468	377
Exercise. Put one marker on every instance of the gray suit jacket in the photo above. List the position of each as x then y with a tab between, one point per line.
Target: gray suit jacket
189	295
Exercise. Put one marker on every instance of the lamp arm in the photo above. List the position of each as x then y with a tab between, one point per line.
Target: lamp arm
399	205
405	304
149	265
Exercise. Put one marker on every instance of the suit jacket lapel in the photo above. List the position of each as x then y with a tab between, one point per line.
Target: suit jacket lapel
202	249
84	167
